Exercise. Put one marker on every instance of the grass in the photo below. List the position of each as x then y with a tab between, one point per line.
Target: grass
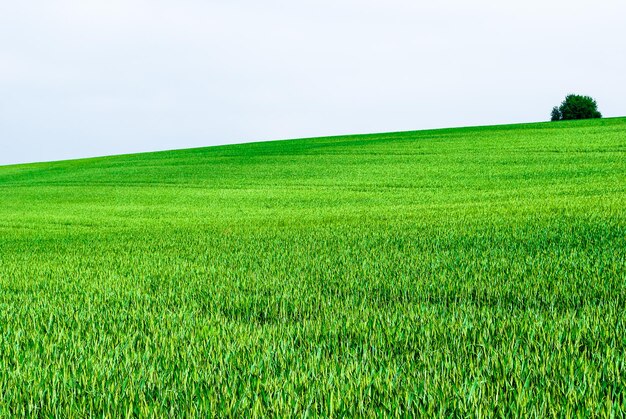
475	271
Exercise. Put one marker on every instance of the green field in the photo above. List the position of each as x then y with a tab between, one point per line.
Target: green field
473	271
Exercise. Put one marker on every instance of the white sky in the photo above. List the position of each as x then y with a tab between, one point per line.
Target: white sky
97	77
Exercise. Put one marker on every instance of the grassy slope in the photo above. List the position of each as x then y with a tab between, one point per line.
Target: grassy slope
473	270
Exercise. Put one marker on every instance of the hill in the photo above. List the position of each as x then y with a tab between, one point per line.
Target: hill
460	271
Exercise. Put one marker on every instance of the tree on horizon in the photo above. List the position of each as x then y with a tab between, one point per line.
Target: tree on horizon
576	107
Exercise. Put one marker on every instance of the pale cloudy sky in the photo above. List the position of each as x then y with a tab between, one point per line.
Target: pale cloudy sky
96	77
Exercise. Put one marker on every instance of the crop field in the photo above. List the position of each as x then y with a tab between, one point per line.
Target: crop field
473	271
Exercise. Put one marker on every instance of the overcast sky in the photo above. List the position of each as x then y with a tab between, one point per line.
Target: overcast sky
98	77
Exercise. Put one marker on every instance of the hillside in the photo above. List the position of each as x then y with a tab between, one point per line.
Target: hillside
458	271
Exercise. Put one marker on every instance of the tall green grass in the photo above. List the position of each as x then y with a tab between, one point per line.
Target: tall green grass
477	271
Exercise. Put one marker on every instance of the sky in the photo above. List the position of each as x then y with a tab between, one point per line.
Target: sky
100	77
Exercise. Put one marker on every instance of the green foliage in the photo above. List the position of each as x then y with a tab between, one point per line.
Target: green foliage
461	272
576	107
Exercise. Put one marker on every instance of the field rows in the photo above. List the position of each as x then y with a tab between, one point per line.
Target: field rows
477	271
